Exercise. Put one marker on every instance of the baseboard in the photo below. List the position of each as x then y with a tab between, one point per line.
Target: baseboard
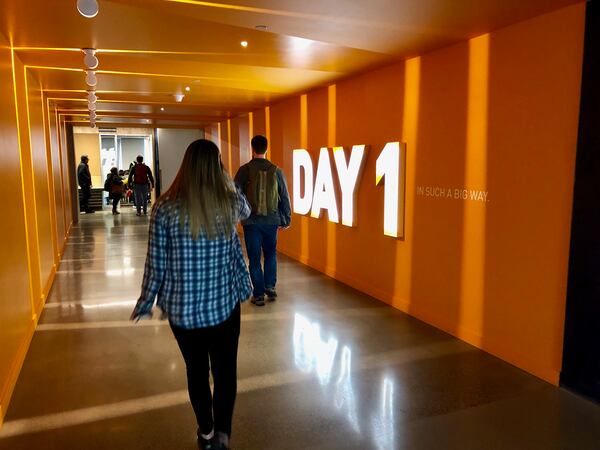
15	370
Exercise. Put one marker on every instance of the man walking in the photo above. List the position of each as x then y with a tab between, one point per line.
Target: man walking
141	180
266	189
84	179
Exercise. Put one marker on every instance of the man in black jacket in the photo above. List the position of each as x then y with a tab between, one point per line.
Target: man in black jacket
84	179
264	185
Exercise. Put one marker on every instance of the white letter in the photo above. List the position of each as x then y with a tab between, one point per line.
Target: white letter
390	164
348	176
324	196
301	160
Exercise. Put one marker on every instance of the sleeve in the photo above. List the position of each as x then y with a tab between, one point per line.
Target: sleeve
241	178
285	209
130	177
156	265
243	207
150	177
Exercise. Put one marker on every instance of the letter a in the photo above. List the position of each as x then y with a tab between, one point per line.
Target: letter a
324	196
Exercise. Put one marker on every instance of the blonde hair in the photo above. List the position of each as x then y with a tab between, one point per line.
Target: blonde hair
204	192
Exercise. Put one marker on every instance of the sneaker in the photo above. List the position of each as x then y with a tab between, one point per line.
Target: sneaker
271	294
206	444
258	301
138	214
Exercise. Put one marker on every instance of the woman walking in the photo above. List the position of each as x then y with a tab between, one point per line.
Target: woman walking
115	188
196	267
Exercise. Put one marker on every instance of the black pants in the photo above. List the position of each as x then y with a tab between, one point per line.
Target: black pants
217	345
116	198
86	193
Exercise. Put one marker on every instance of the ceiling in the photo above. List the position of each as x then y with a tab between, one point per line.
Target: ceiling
150	50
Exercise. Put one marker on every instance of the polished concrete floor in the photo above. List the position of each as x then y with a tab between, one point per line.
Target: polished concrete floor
325	367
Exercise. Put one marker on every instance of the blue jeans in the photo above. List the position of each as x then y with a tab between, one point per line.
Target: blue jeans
262	239
141	197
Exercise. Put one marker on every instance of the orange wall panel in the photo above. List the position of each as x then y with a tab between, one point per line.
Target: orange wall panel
30	156
40	180
61	225
497	114
15	298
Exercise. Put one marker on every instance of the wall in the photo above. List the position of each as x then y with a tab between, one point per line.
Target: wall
36	206
496	114
89	144
172	144
130	149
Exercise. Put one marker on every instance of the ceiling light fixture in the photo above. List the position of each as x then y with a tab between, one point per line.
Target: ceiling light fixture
90	59
244	44
162	109
261	27
178	97
187	88
88	8
90	78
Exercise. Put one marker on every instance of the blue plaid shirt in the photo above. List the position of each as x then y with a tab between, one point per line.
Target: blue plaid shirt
198	282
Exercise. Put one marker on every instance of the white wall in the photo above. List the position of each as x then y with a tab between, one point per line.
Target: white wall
172	144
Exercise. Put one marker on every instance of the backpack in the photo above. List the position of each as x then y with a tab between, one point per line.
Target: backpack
108	183
140	174
263	190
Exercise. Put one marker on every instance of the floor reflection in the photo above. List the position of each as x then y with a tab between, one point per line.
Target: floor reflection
313	353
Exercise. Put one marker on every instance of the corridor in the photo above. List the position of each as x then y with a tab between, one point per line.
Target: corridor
324	367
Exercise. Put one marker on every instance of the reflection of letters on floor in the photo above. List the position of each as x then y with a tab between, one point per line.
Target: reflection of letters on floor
312	353
345	400
382	422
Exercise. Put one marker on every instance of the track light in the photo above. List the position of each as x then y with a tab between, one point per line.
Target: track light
90	59
87	8
90	78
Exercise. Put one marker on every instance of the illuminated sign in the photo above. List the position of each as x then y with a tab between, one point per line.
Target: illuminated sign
315	194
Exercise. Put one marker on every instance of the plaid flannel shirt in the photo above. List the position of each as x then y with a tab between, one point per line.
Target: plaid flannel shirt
198	282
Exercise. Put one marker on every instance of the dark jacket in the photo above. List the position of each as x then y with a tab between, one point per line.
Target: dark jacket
113	181
84	177
131	180
284	216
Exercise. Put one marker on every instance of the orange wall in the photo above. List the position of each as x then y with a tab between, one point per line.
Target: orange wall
36	225
498	113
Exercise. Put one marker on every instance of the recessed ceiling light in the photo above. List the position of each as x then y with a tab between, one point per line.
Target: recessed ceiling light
187	88
87	8
261	27
162	108
244	44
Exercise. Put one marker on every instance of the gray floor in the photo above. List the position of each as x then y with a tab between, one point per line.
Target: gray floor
325	367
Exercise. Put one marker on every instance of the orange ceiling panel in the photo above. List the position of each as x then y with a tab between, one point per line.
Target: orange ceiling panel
150	50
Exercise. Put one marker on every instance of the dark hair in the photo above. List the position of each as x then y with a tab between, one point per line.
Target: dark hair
259	144
114	170
140	158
